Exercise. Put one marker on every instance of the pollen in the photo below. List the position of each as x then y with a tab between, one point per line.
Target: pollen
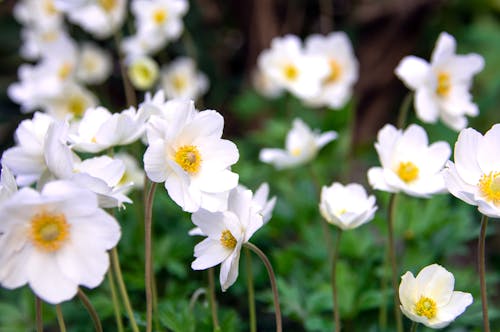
188	157
426	307
160	15
489	186
108	5
227	239
179	82
443	84
335	71
407	171
77	106
49	231
291	72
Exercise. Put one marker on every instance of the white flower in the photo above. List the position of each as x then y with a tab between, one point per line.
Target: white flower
226	233
187	153
134	174
302	145
182	80
55	240
442	86
337	86
71	103
94	64
409	164
346	206
142	43
143	72
37	41
430	299
475	175
289	67
265	85
38	13
8	184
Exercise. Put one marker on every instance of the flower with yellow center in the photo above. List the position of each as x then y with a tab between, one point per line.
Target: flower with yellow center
55	240
429	297
108	5
188	157
181	79
143	72
160	15
94	65
335	71
407	171
290	72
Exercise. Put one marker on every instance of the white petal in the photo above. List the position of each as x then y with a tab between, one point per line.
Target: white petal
488	157
456	186
445	47
377	180
408	291
426	105
210	223
437	283
413	71
229	269
154	161
209	253
466	150
459	301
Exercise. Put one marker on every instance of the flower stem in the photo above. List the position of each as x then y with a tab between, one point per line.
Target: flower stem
60	318
211	296
413	327
148	214
251	291
482	272
114	298
392	257
123	290
127	87
91	310
336	309
38	314
272	279
403	110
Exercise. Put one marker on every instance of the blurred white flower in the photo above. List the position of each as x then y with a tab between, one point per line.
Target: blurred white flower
442	86
140	44
143	72
475	175
181	79
226	233
302	145
347	206
38	41
55	240
187	153
70	103
94	64
409	163
430	299
337	86
265	85
38	14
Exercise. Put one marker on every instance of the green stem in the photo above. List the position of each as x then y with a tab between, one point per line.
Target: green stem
251	292
148	215
413	327
60	318
91	310
482	272
38	314
114	298
403	110
127	86
336	309
383	287
392	257
272	279
211	296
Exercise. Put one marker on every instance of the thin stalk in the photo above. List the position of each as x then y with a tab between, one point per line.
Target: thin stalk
482	272
38	314
116	303
403	110
349	152
382	318
123	290
272	279
326	16
392	257
413	327
60	318
127	86
211	296
148	215
251	292
91	310
336	309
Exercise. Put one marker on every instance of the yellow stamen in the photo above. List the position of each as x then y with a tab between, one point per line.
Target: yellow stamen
108	5
443	84
49	7
426	307
227	239
489	186
291	72
179	82
335	72
160	15
188	157
407	171
49	231
77	105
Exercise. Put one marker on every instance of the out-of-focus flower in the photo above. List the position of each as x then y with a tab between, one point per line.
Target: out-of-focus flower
337	86
302	145
141	44
226	233
143	72
182	80
70	103
430	299
187	153
134	175
475	175
94	64
289	67
38	13
346	206
55	240
38	41
265	85
409	163
442	86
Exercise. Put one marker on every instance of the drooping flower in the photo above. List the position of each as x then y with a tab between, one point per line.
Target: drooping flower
143	72
475	175
55	240
442	86
346	206
430	299
181	79
226	233
409	163
302	145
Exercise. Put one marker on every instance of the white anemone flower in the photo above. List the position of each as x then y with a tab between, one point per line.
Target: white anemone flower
430	299
343	72
187	153
409	163
226	233
475	175
55	240
140	44
347	206
94	64
143	72
37	41
38	13
302	145
181	79
442	86
71	103
289	67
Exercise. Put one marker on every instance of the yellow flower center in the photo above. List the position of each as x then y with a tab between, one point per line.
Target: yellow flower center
188	157
49	36
489	186
426	307
335	71
160	15
443	84
407	171
179	82
108	5
64	71
49	7
227	239
77	105
291	72
49	231
296	152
